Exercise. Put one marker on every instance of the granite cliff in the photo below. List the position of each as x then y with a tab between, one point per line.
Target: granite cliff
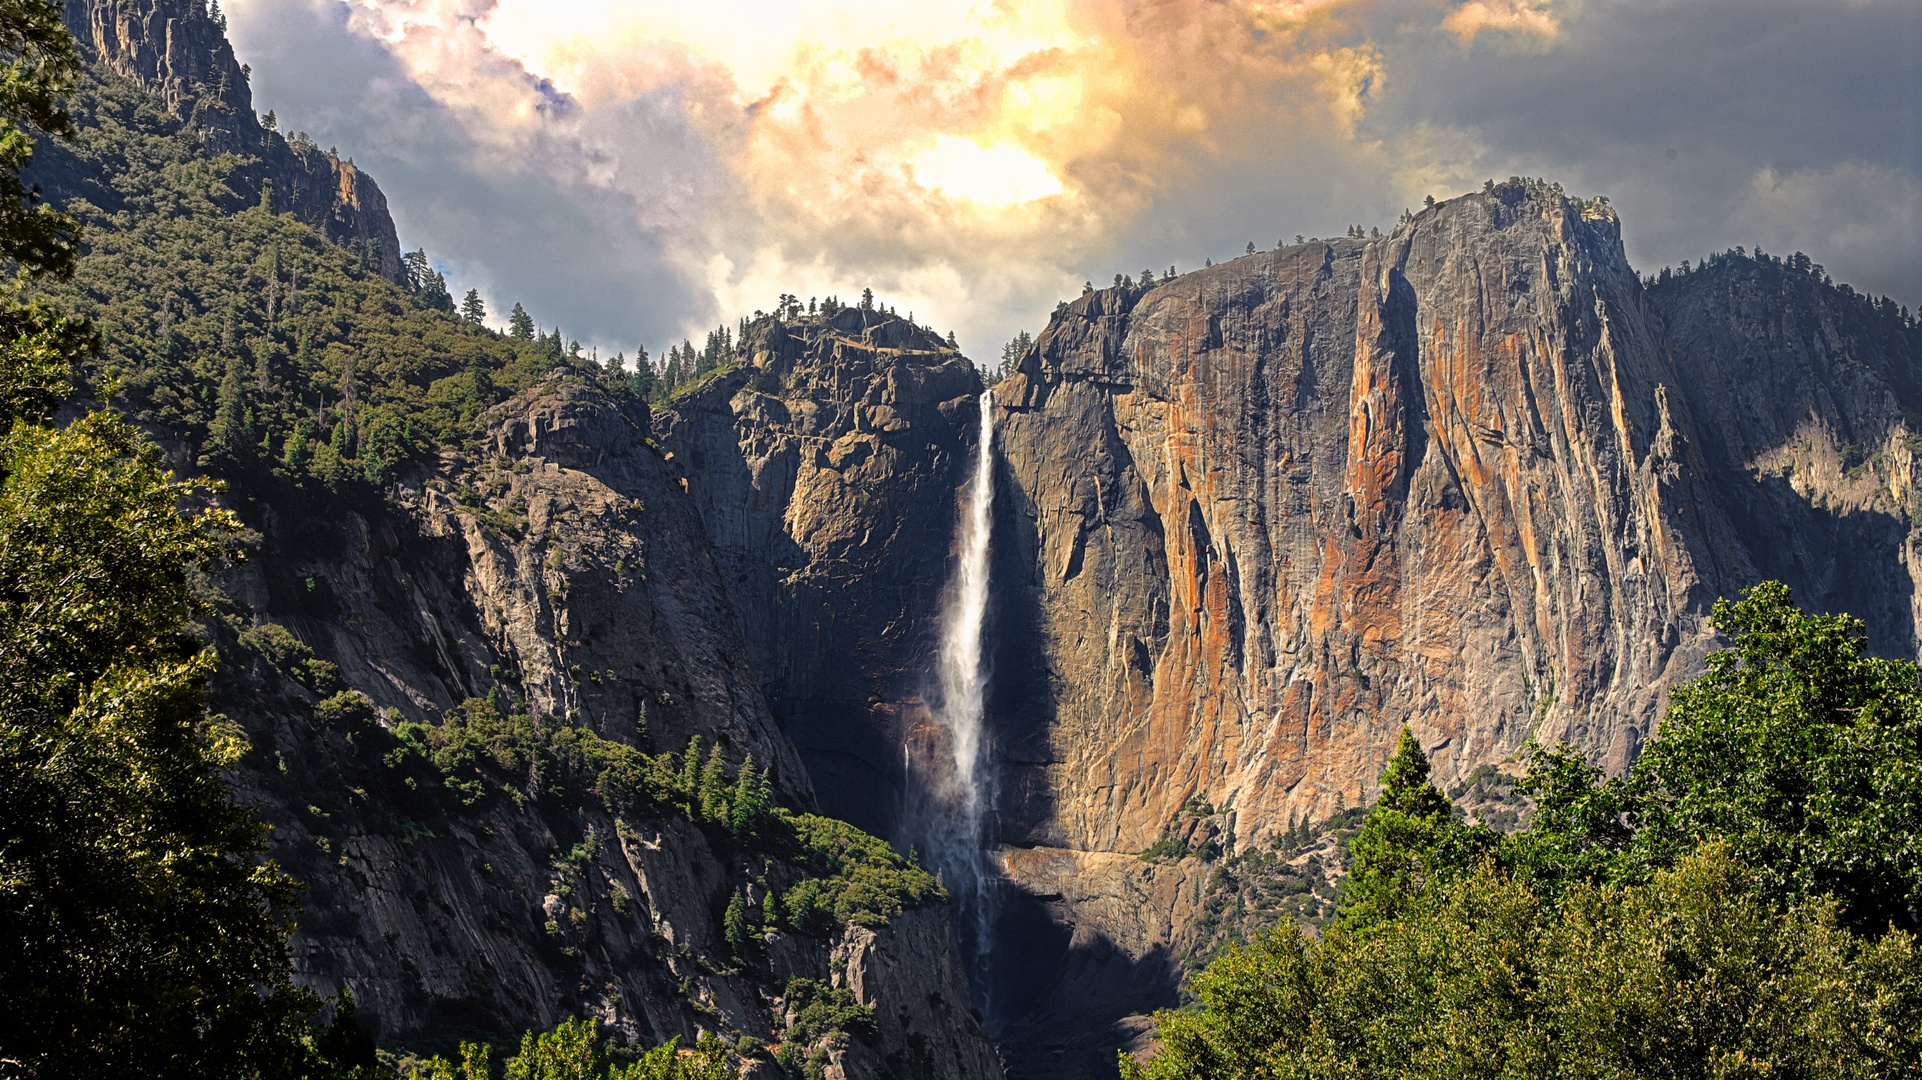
177	51
560	567
825	468
1473	475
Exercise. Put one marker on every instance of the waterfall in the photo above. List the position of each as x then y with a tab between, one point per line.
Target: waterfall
956	826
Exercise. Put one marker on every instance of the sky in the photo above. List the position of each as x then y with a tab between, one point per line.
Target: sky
636	171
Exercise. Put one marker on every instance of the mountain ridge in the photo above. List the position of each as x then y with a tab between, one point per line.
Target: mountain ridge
177	51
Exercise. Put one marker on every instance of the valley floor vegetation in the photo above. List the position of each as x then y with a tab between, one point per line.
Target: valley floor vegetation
1744	903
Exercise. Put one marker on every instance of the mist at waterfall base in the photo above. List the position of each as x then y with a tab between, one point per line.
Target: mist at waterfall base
951	776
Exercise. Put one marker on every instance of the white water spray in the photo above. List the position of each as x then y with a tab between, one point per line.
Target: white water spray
963	680
957	830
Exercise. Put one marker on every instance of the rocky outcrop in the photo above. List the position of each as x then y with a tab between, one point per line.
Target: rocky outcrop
1807	398
911	972
825	468
177	50
560	565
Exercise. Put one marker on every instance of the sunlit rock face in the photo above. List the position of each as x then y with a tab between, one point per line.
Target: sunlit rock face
177	51
1473	476
1269	512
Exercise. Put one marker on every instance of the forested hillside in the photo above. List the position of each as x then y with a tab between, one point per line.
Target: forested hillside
245	332
464	650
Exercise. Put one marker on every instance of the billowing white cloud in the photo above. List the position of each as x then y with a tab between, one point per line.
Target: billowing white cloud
973	160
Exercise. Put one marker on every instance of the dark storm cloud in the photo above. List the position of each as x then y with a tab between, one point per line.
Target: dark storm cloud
577	254
1709	123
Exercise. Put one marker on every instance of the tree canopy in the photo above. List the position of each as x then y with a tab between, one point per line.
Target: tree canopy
141	933
1742	903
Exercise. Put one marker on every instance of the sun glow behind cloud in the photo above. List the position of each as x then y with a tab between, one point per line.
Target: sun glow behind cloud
992	176
952	153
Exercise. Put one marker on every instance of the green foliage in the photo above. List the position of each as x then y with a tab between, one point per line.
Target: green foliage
815	1011
38	65
713	791
685	366
283	356
138	918
1011	355
1804	753
734	926
38	346
751	801
1698	973
1410	840
475	1064
1797	748
576	1050
1581	830
479	752
854	877
140	932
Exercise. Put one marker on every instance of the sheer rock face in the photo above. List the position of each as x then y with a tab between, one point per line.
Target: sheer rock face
911	975
825	470
564	565
1472	476
177	52
1265	514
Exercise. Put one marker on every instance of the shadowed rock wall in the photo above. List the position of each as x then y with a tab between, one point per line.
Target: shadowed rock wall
562	564
825	469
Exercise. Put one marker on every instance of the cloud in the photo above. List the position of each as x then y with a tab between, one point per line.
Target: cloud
1859	214
1519	17
640	169
1677	110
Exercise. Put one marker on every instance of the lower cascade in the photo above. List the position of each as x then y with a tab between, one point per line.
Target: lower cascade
957	788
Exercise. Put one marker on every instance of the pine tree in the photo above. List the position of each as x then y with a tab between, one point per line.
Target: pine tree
1408	841
745	808
691	771
643	381
229	432
472	308
520	324
734	925
714	792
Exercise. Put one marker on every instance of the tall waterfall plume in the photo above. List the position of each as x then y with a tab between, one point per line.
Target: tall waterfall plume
955	824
